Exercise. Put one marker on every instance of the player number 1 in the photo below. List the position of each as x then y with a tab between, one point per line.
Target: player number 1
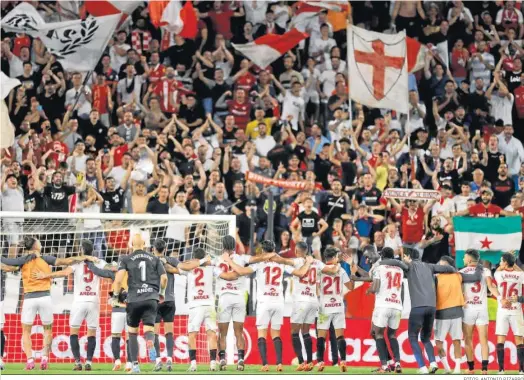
142	266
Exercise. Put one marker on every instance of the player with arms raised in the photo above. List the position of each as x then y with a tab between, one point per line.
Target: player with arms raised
86	305
509	279
37	296
147	282
387	287
332	309
231	291
270	296
476	310
166	310
305	304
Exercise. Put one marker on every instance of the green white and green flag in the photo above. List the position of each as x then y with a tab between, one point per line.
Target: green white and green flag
490	236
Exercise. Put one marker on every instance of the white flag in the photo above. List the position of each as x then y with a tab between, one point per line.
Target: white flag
378	69
78	44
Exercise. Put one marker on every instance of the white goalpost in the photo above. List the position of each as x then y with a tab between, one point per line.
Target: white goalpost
61	234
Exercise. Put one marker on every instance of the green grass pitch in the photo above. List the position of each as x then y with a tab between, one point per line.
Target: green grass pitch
147	368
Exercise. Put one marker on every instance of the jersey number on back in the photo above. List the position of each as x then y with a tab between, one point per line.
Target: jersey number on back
142	266
88	275
393	280
310	278
273	275
328	284
199	272
509	291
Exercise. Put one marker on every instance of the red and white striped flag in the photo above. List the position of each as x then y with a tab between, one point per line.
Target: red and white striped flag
110	7
306	11
267	49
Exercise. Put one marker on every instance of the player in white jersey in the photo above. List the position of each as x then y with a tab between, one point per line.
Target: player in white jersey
305	304
231	290
270	297
3	268
332	309
86	303
387	287
476	310
201	304
509	280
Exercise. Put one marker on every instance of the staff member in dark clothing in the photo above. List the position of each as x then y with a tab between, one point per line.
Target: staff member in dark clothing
423	296
166	310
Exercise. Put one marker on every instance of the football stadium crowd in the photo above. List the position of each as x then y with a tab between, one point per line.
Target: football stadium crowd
172	125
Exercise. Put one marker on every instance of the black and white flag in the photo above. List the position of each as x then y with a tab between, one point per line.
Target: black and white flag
78	44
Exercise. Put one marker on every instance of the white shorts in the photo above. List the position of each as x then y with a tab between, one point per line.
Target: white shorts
304	312
231	307
476	317
270	313
118	322
443	327
325	320
41	305
386	317
2	317
504	322
90	311
202	315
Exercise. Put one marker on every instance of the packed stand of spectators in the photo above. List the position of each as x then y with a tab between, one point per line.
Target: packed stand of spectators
167	125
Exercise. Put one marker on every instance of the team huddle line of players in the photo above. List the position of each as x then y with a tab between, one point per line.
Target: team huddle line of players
143	292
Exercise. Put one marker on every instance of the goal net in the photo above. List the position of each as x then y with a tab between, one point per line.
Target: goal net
60	235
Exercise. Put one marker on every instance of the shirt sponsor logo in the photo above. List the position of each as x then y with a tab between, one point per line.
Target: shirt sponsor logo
145	289
333	303
200	296
272	293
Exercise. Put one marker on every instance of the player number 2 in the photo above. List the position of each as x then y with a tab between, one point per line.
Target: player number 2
393	280
199	272
328	283
142	266
509	291
272	275
88	275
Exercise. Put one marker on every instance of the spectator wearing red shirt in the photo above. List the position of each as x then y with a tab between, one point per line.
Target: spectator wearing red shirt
459	61
485	209
519	98
156	70
240	107
169	91
412	220
102	100
246	80
221	19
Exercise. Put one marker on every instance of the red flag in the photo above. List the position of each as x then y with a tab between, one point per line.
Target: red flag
174	18
190	19
268	48
416	54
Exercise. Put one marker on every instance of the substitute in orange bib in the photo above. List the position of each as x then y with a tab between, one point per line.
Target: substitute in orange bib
450	301
37	296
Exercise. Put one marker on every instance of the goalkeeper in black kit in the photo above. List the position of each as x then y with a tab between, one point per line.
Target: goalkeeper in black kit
147	282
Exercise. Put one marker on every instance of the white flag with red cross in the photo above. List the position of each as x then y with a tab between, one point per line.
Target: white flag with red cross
378	66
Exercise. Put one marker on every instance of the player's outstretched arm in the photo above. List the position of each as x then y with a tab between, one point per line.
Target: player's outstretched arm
171	269
117	284
72	260
396	263
280	260
17	261
442	268
192	264
473	277
229	276
301	272
375	286
265	257
242	271
8	268
61	273
104	273
331	269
